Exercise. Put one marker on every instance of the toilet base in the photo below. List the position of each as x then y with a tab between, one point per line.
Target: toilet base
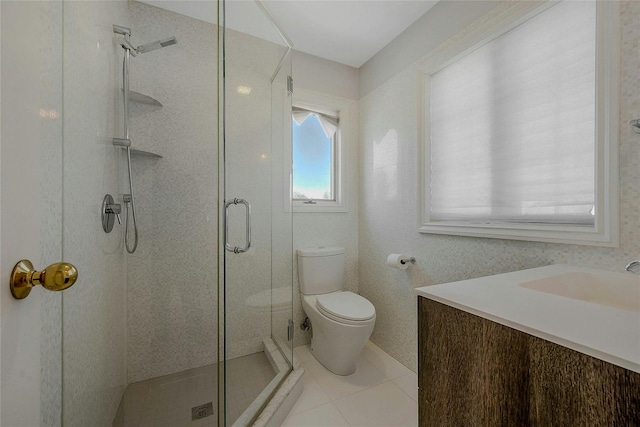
336	345
337	367
339	354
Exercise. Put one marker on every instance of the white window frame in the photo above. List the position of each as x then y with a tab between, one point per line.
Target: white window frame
332	107
605	230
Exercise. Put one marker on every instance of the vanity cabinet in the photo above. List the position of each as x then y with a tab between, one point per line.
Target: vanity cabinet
475	372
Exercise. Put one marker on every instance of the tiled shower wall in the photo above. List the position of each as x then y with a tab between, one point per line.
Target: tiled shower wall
172	276
389	153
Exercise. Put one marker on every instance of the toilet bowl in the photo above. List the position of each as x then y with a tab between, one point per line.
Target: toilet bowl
336	342
341	321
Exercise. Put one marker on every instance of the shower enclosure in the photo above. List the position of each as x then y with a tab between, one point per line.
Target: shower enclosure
183	307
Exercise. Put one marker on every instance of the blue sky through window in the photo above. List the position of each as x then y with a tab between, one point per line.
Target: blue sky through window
311	161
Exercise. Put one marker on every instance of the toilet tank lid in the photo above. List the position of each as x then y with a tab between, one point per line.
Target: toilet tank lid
320	251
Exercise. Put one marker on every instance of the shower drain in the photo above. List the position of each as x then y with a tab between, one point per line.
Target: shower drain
201	411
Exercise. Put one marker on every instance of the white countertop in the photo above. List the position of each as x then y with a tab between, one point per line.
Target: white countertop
607	333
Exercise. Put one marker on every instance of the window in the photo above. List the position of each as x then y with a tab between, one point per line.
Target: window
317	157
519	135
314	147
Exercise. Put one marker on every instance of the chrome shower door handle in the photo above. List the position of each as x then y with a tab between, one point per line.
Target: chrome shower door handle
227	245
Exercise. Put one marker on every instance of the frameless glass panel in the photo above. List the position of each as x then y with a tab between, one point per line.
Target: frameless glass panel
140	325
282	222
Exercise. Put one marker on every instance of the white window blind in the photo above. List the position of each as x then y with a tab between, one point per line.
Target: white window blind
512	125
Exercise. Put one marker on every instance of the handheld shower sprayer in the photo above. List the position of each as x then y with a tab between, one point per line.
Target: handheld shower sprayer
143	48
156	45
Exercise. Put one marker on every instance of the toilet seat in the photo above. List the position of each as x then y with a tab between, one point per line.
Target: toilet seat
345	307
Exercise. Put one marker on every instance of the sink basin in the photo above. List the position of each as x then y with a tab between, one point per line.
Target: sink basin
617	290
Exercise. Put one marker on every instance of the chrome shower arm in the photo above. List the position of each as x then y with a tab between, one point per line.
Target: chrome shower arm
125	43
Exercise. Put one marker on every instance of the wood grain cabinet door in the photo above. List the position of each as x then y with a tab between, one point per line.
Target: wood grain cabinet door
475	372
449	370
569	388
467	366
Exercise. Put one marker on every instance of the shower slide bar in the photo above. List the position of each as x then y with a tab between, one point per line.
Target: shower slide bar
125	142
227	245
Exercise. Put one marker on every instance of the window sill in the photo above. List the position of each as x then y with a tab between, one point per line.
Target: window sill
566	234
318	207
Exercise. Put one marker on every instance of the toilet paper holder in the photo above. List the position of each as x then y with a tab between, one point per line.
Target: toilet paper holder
400	261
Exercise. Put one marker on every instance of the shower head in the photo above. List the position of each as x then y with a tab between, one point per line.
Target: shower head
156	45
126	43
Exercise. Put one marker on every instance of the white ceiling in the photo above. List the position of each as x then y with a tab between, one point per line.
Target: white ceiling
346	31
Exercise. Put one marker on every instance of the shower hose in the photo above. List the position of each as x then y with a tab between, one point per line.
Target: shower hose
130	248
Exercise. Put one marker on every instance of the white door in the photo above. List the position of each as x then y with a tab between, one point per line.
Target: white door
30	208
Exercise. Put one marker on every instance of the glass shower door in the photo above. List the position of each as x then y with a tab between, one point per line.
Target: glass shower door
256	290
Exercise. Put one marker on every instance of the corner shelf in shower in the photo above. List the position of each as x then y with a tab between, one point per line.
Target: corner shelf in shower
143	99
147	154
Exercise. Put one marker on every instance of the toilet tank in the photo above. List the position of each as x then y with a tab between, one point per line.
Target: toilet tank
320	270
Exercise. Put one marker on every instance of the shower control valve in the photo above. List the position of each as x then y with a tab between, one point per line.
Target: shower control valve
115	209
109	211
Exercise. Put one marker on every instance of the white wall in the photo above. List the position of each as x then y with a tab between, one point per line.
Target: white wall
388	217
324	76
441	22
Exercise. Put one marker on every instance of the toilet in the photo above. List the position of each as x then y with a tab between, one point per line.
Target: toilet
341	321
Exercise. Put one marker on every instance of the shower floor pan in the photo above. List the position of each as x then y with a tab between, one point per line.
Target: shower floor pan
182	398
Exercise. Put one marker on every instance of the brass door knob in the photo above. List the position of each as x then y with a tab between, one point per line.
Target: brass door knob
56	277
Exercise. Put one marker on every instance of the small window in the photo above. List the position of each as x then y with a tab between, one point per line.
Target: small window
516	141
316	161
314	147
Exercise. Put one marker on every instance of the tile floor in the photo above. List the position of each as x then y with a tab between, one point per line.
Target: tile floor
382	392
